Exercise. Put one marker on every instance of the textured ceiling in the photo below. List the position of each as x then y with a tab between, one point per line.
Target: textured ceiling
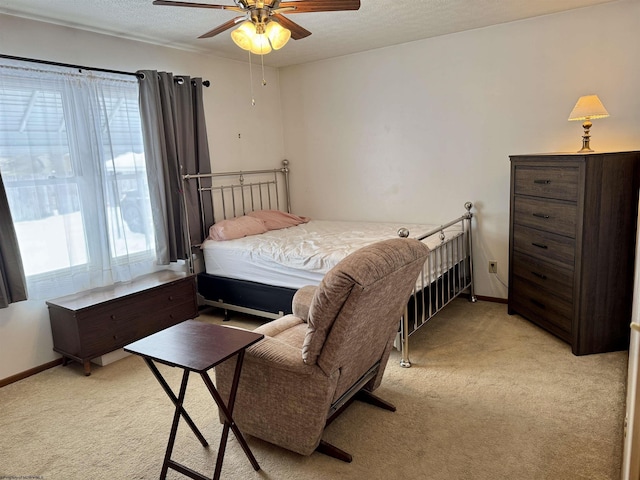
378	23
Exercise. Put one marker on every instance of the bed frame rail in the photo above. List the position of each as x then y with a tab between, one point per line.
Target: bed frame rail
447	273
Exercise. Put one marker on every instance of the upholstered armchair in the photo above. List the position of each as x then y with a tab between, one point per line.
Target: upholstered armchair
332	349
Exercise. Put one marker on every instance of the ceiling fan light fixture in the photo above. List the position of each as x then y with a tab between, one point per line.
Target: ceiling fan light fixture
243	35
261	15
277	34
248	37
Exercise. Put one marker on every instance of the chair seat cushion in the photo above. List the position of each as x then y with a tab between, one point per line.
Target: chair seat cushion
288	329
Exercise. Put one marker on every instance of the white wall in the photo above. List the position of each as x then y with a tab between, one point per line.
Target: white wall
413	131
25	333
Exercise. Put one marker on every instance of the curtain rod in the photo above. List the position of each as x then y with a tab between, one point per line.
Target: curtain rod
206	83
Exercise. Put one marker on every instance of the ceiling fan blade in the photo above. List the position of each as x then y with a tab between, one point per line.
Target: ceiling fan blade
297	32
304	6
197	5
222	28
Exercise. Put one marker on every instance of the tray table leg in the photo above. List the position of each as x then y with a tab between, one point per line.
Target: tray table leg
227	412
177	401
174	425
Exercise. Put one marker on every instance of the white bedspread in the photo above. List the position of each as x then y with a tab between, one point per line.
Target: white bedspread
298	256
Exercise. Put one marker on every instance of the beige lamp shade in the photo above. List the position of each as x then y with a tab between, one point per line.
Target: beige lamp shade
277	34
588	108
243	35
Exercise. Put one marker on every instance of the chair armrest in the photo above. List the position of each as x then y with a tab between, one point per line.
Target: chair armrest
279	355
302	302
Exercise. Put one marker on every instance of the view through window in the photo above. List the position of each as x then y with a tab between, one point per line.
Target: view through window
73	166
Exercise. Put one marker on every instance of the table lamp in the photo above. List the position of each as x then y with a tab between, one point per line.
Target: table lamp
587	108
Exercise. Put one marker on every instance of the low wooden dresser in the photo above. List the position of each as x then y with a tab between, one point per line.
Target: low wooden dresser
89	324
572	245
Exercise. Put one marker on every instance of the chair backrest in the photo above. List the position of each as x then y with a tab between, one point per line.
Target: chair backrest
356	309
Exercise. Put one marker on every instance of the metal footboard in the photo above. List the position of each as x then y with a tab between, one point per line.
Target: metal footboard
447	273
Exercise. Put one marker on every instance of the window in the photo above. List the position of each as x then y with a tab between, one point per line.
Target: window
73	165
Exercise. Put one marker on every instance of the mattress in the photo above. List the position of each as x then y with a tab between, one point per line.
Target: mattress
297	256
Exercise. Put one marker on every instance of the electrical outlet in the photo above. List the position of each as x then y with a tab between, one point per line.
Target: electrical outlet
493	266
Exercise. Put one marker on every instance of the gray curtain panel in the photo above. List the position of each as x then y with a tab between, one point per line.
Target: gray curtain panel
196	153
12	282
175	141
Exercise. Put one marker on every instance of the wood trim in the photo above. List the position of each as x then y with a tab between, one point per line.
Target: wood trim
27	373
491	299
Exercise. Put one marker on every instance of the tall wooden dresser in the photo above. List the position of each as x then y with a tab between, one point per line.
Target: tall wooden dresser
572	243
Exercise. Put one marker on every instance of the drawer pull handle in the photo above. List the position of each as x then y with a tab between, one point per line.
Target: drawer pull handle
543	182
113	317
170	297
539	245
540	215
540	275
538	304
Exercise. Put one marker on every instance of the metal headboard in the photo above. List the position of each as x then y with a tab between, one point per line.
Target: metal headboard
223	195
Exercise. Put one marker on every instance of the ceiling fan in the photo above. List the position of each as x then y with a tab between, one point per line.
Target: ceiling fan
263	25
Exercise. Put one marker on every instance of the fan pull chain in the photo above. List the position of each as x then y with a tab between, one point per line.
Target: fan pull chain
253	99
264	82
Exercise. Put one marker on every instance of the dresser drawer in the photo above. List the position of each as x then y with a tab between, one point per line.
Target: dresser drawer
549	182
547	215
99	327
163	297
178	313
540	304
139	315
558	280
544	245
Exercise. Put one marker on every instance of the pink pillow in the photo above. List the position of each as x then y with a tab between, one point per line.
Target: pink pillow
275	219
236	228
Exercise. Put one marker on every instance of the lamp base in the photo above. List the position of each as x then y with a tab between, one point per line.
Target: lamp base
585	146
586	137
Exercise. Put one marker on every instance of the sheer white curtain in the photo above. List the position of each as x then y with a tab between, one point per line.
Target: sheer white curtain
72	160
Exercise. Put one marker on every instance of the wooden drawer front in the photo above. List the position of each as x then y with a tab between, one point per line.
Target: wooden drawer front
544	245
145	323
558	280
108	326
96	331
539	303
178	313
163	297
155	310
547	215
549	182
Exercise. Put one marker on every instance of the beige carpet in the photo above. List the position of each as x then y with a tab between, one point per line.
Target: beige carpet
489	396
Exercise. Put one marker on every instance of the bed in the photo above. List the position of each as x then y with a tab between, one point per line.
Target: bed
259	273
